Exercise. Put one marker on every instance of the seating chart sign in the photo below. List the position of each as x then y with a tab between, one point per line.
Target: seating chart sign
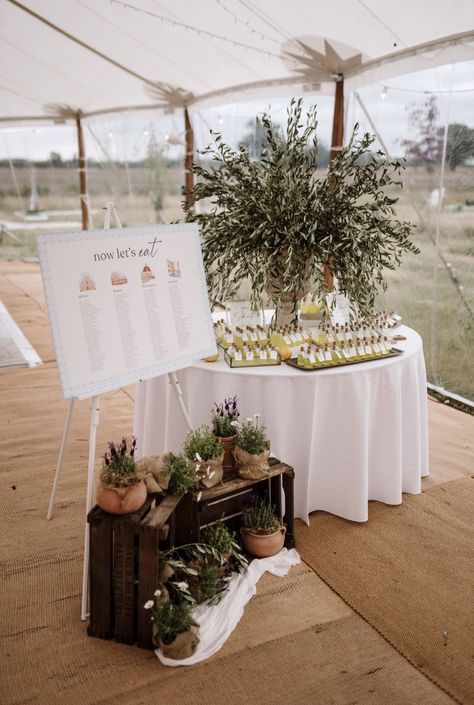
125	304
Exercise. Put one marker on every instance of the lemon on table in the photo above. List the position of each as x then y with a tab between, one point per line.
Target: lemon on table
211	358
285	352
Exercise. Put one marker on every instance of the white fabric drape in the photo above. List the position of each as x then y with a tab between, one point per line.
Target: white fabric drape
352	434
217	622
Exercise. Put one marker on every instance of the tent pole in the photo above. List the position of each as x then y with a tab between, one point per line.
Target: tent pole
188	159
338	119
336	146
82	174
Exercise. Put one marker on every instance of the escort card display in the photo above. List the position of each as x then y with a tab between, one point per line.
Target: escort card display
125	304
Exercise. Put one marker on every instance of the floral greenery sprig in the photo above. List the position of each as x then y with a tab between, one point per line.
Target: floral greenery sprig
277	217
224	417
203	444
259	517
187	564
118	466
182	473
252	436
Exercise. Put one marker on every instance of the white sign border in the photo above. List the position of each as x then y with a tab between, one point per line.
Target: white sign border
137	375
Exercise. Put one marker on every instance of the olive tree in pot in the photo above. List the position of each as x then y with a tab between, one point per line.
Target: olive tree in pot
280	223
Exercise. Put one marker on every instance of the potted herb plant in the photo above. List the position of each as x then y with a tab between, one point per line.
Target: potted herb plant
174	629
121	489
281	224
182	475
224	421
252	449
263	534
202	447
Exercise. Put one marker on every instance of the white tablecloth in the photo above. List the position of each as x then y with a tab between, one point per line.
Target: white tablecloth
352	433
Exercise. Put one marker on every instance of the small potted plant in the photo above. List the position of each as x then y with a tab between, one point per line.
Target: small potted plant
182	475
121	489
174	629
252	449
224	421
263	534
202	447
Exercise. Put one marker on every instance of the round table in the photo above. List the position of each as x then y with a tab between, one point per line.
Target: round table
352	433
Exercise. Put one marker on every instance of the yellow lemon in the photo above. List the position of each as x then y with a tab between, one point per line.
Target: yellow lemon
211	358
285	352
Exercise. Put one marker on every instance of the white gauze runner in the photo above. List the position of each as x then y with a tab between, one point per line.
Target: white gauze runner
216	622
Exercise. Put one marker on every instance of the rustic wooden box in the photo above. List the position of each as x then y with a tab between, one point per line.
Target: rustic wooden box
226	501
123	568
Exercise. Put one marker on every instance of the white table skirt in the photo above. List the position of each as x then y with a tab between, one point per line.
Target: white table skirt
352	433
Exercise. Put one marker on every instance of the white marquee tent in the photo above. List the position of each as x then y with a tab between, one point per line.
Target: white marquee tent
105	55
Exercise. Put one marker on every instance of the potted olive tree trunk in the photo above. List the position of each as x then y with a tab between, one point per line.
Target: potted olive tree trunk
281	222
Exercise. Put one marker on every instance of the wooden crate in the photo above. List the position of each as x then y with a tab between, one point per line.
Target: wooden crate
226	501
124	554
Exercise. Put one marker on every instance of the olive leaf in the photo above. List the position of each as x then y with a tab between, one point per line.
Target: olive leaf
278	217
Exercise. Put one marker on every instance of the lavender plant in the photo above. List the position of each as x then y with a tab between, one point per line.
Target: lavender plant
224	418
118	464
259	517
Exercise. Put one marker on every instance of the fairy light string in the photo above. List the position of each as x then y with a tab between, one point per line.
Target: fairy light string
196	30
246	23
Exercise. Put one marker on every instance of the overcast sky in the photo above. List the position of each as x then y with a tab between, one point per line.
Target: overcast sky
127	139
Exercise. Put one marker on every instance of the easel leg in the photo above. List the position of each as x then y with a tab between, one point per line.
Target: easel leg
94	422
59	466
179	395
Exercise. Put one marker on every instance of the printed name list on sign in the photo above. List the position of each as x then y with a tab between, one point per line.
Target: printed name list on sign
125	304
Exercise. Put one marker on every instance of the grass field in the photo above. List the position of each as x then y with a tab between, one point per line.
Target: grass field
422	290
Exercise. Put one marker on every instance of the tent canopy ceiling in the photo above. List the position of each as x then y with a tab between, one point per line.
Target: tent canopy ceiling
91	56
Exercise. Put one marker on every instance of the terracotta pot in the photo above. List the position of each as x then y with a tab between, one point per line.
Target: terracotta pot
121	500
228	443
263	545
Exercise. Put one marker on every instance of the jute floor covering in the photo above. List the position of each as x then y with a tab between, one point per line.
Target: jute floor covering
298	642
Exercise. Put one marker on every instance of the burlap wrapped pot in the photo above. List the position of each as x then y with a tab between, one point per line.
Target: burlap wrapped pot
182	647
252	467
210	472
157	477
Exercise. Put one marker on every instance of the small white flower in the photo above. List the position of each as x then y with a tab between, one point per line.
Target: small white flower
249	419
182	585
198	458
157	593
256	416
148	604
234	423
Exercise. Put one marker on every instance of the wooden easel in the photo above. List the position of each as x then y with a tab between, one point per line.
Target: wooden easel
110	212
